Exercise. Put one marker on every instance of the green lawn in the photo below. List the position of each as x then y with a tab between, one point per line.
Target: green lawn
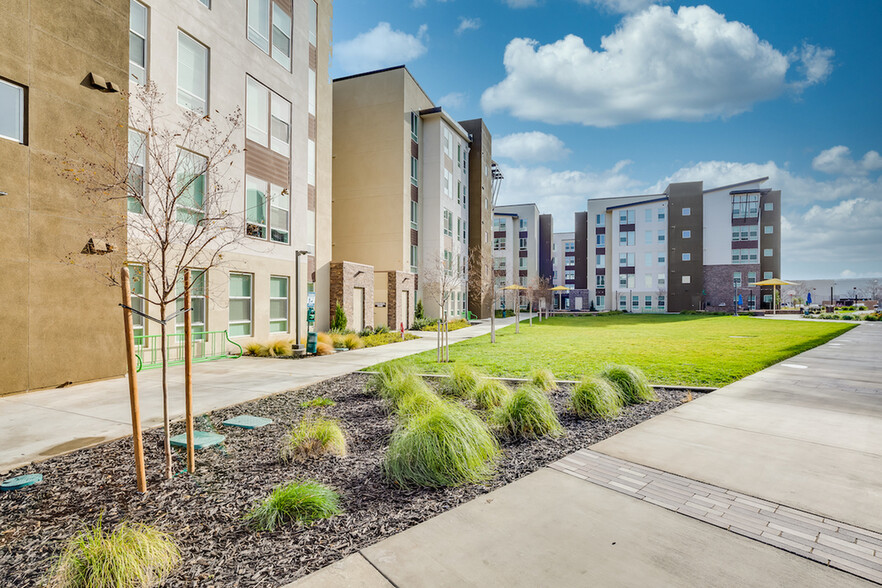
670	349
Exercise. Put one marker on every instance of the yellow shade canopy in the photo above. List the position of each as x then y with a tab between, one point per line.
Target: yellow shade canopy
514	287
773	282
559	289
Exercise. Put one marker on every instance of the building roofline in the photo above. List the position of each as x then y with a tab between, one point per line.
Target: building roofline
431	112
662	199
754	181
629	196
512	214
533	204
370	73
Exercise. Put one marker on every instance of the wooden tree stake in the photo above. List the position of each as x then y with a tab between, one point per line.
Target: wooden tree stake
188	375
133	381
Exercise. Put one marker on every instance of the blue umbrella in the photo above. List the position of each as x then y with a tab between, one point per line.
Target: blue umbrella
808	299
740	301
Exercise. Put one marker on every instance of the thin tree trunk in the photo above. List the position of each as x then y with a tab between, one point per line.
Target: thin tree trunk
163	347
493	321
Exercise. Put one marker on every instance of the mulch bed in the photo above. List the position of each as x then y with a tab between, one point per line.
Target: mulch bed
204	511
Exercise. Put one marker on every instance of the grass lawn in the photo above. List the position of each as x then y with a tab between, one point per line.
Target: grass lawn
670	349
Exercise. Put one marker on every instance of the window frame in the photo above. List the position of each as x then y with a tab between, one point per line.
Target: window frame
249	298
287	305
190	212
205	108
146	39
197	275
133	205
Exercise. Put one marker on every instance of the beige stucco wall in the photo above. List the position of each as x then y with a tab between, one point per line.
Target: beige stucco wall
59	322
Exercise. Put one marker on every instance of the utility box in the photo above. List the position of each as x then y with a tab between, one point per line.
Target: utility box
311	342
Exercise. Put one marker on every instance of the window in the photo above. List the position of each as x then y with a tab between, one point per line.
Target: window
736	279
310	162
448	143
137	42
686	279
414	258
661	236
623	280
767	253
448	262
280	125
240	305
414	171
311	91
448	223
648	217
267	118
686	257
281	36
458	192
499	263
745	205
414	126
523	224
280	213
191	187
661	258
138	285
600	281
522	263
767	275
278	304
635	302
661	302
262	201
600	261
751	277
458	155
192	74
687	211
137	161
661	279
269	19
569	246
647	280
647	237
207	3
599	302
498	243
627	217
745	233
600	240
623	302
661	214
458	228
767	206
626	260
687	234
522	243
414	215
197	303
647	259
627	238
600	220
744	255
522	280
632	281
12	112
569	260
647	302
767	299
768	229
313	23
498	224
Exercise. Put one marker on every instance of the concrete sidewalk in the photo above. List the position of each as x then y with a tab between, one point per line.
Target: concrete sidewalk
804	433
37	425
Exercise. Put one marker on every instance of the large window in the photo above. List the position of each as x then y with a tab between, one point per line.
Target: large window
745	205
661	302
192	74
498	243
137	42
138	285
414	126
137	163
12	112
661	214
745	255
569	275
569	260
197	302
600	261
414	215
414	258
191	179
266	201
600	220
600	281
628	217
240	305
626	259
313	23
523	224
745	233
522	263
448	223
267	118
569	245
269	27
414	171
498	224
281	51
278	304
522	243
627	238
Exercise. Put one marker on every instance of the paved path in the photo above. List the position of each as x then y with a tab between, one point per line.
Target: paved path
38	425
795	446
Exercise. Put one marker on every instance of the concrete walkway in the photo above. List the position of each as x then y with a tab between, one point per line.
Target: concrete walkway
801	438
38	425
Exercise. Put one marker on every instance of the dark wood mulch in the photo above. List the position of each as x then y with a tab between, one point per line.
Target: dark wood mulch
204	511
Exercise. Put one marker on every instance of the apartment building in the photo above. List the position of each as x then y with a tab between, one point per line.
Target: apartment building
483	174
563	251
268	58
59	319
685	249
521	246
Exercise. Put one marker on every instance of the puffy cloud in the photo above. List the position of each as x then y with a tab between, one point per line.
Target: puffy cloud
467	24
530	147
838	161
620	6
380	47
452	101
658	64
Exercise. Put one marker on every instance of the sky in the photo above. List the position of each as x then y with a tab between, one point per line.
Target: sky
598	98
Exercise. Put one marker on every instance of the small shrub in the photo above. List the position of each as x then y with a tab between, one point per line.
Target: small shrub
526	413
353	341
417	401
595	396
386	338
419	312
420	324
462	382
848	317
630	383
451	325
255	349
324	338
337	340
320	402
133	555
324	349
543	379
280	348
490	393
302	502
314	437
338	323
366	332
380	329
446	445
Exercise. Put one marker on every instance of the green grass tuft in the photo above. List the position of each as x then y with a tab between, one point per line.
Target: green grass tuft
418	401
302	502
543	379
133	555
320	402
491	393
632	386
447	445
314	437
526	413
595	396
353	341
462	382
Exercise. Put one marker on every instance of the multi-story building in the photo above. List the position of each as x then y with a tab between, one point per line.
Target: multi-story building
481	182
521	246
403	177
268	58
563	249
685	249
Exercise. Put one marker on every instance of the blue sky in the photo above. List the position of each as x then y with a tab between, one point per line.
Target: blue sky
592	98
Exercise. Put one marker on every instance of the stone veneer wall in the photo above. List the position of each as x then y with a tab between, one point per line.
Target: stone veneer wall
398	283
719	286
346	275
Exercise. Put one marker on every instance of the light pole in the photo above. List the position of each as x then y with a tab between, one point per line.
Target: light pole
297	344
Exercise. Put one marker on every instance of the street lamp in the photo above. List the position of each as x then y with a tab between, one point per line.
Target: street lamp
297	254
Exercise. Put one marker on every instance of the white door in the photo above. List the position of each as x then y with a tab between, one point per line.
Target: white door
407	309
357	309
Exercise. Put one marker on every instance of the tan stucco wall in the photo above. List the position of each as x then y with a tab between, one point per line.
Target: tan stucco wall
323	172
59	322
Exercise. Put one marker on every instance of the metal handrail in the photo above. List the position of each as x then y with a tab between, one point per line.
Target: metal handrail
207	346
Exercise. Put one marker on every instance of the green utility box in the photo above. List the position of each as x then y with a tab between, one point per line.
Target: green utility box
311	342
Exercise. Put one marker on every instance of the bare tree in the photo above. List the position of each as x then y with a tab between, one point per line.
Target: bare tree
482	285
537	289
175	173
441	281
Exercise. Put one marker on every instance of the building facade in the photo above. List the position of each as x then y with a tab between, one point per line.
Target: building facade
685	249
563	251
480	219
521	248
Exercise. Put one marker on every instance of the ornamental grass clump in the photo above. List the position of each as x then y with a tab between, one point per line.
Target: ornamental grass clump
447	445
301	502
595	397
418	401
133	555
314	437
324	349
631	384
527	414
280	348
542	379
462	382
352	341
491	393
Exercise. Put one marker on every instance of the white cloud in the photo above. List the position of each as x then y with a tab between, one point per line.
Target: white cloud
815	64
838	161
380	47
467	24
658	64
521	3
452	101
620	6
530	147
